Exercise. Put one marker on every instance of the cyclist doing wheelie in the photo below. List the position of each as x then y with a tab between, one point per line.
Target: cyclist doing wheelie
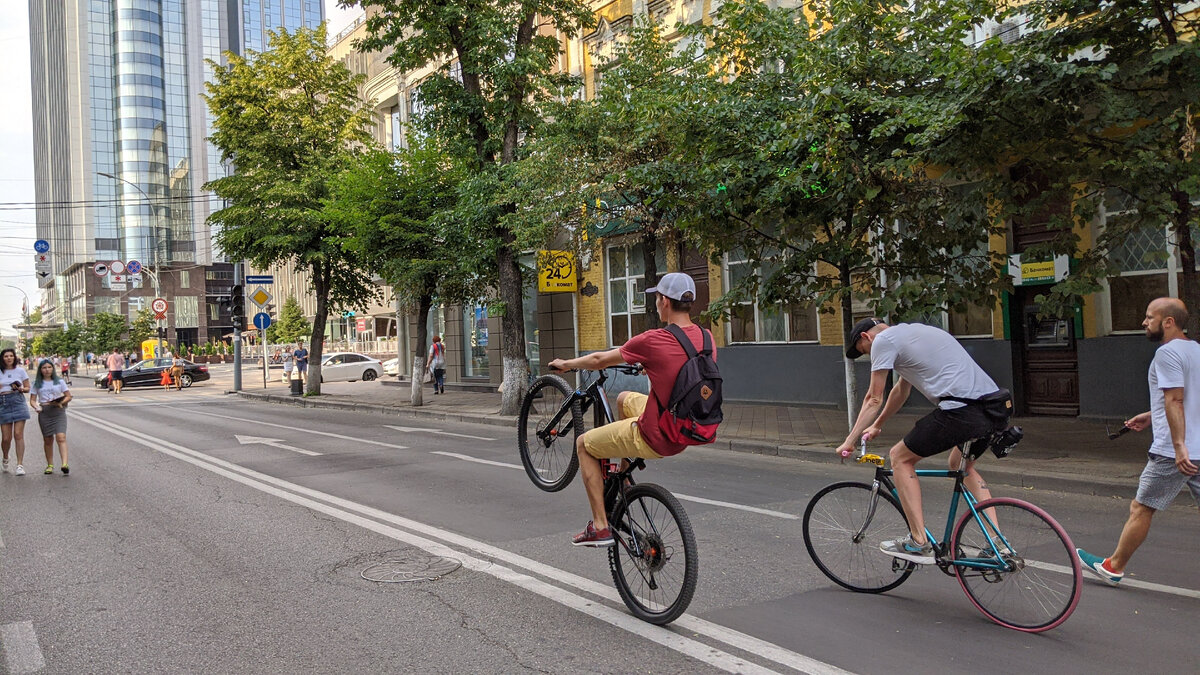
637	433
967	400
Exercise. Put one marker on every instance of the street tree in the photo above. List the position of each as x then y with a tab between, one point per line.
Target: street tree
616	163
104	331
290	119
400	207
1097	108
501	59
815	142
142	328
291	326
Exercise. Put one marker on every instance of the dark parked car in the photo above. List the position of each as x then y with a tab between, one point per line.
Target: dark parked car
148	373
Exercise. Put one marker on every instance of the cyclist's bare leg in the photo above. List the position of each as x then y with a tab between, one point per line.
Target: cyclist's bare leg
1132	535
974	482
593	482
904	475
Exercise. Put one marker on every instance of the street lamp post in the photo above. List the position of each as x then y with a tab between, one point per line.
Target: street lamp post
25	318
153	252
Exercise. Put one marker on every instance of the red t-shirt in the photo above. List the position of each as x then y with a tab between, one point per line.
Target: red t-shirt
662	356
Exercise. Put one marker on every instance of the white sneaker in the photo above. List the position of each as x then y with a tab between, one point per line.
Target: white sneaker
20	470
4	466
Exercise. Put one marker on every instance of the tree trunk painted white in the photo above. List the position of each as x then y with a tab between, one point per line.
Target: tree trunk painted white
418	380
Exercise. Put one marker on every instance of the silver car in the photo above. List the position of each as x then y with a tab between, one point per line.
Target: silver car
349	367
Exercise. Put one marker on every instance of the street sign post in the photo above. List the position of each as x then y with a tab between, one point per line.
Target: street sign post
101	269
117	267
133	267
262	321
159	306
260	279
41	246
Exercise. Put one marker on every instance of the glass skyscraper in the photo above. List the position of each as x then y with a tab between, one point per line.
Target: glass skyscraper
120	135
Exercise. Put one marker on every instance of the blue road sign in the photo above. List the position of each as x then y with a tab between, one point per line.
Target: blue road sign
41	246
133	267
260	280
262	320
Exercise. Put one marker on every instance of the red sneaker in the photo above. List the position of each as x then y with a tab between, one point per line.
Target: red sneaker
593	537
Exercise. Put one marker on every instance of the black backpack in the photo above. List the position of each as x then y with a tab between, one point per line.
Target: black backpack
693	412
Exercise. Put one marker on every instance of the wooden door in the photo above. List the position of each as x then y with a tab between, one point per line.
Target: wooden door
693	263
1048	362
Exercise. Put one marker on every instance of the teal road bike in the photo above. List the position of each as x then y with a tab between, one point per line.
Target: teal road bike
1015	563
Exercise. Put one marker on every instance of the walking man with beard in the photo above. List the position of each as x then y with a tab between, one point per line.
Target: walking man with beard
1174	417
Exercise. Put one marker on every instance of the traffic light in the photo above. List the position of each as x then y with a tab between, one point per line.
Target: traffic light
237	300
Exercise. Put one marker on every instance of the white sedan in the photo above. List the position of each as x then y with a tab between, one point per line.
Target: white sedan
392	366
349	367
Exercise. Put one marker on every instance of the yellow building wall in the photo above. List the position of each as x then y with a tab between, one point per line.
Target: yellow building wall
592	312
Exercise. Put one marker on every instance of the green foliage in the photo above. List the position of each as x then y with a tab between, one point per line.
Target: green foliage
290	119
35	317
105	331
142	328
291	326
816	143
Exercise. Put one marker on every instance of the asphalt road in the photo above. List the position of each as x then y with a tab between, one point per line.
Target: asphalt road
201	532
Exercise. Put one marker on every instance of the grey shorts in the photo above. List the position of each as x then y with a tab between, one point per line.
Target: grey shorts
1161	483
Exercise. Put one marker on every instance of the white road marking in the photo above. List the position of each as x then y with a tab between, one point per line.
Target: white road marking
21	650
308	431
1134	583
430	430
274	443
295	494
468	458
740	507
1	542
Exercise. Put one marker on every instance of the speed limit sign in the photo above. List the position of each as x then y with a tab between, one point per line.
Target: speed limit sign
160	308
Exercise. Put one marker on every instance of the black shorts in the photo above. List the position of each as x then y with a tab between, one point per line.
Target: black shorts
942	429
115	375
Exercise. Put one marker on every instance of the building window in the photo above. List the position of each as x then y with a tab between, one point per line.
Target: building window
214	312
627	291
1148	267
397	129
754	321
475	340
187	311
185	279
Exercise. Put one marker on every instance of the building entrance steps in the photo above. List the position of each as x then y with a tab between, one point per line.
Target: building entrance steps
1057	453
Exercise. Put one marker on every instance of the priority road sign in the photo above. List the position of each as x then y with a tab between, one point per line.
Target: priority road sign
133	267
262	320
101	269
261	297
41	246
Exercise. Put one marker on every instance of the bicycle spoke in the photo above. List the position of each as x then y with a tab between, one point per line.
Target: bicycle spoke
652	565
831	521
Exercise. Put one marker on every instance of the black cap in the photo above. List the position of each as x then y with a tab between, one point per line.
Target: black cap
852	337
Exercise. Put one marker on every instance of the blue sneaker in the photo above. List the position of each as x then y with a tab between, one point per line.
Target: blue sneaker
1096	565
907	549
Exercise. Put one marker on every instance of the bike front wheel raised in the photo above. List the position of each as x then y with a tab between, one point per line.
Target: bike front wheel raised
548	446
654	561
1040	579
842	533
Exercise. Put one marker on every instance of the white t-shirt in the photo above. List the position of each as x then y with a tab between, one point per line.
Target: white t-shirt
931	360
1176	364
51	390
10	380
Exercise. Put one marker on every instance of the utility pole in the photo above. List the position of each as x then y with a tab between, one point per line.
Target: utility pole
237	328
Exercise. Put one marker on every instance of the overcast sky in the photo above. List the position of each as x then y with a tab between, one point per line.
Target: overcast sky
16	158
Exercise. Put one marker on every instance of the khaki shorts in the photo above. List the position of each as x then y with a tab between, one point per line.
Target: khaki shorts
621	438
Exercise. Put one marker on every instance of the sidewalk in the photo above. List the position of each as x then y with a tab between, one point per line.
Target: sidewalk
1061	454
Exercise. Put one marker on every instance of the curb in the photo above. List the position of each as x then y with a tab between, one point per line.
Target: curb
1012	476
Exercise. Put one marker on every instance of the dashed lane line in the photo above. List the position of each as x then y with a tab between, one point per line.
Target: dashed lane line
468	458
307	431
1132	583
303	496
21	650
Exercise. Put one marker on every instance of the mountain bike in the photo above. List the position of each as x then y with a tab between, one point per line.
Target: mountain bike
1015	563
654	562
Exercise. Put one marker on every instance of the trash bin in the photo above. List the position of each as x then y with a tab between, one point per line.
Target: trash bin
297	386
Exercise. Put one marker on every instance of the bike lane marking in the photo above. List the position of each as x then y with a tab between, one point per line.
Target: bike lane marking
369	517
21	650
1135	583
740	507
468	458
296	428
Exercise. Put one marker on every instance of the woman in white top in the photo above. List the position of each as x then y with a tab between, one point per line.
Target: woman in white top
14	382
50	397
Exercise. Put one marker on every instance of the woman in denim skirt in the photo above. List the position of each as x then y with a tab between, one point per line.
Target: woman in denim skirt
14	384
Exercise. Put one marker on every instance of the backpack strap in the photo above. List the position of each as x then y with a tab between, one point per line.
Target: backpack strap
686	342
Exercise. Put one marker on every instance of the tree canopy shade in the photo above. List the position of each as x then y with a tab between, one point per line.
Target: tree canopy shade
289	119
400	209
816	144
504	56
1097	108
291	326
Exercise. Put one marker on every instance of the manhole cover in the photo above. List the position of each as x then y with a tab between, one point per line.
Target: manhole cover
411	567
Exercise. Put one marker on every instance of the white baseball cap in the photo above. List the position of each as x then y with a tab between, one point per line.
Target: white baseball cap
675	285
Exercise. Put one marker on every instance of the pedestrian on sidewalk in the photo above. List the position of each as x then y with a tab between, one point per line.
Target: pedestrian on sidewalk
437	364
50	396
301	356
65	363
1174	420
289	362
931	360
177	372
116	366
14	382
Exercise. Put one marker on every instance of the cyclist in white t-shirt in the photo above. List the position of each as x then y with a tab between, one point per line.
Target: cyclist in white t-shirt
1174	417
933	362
